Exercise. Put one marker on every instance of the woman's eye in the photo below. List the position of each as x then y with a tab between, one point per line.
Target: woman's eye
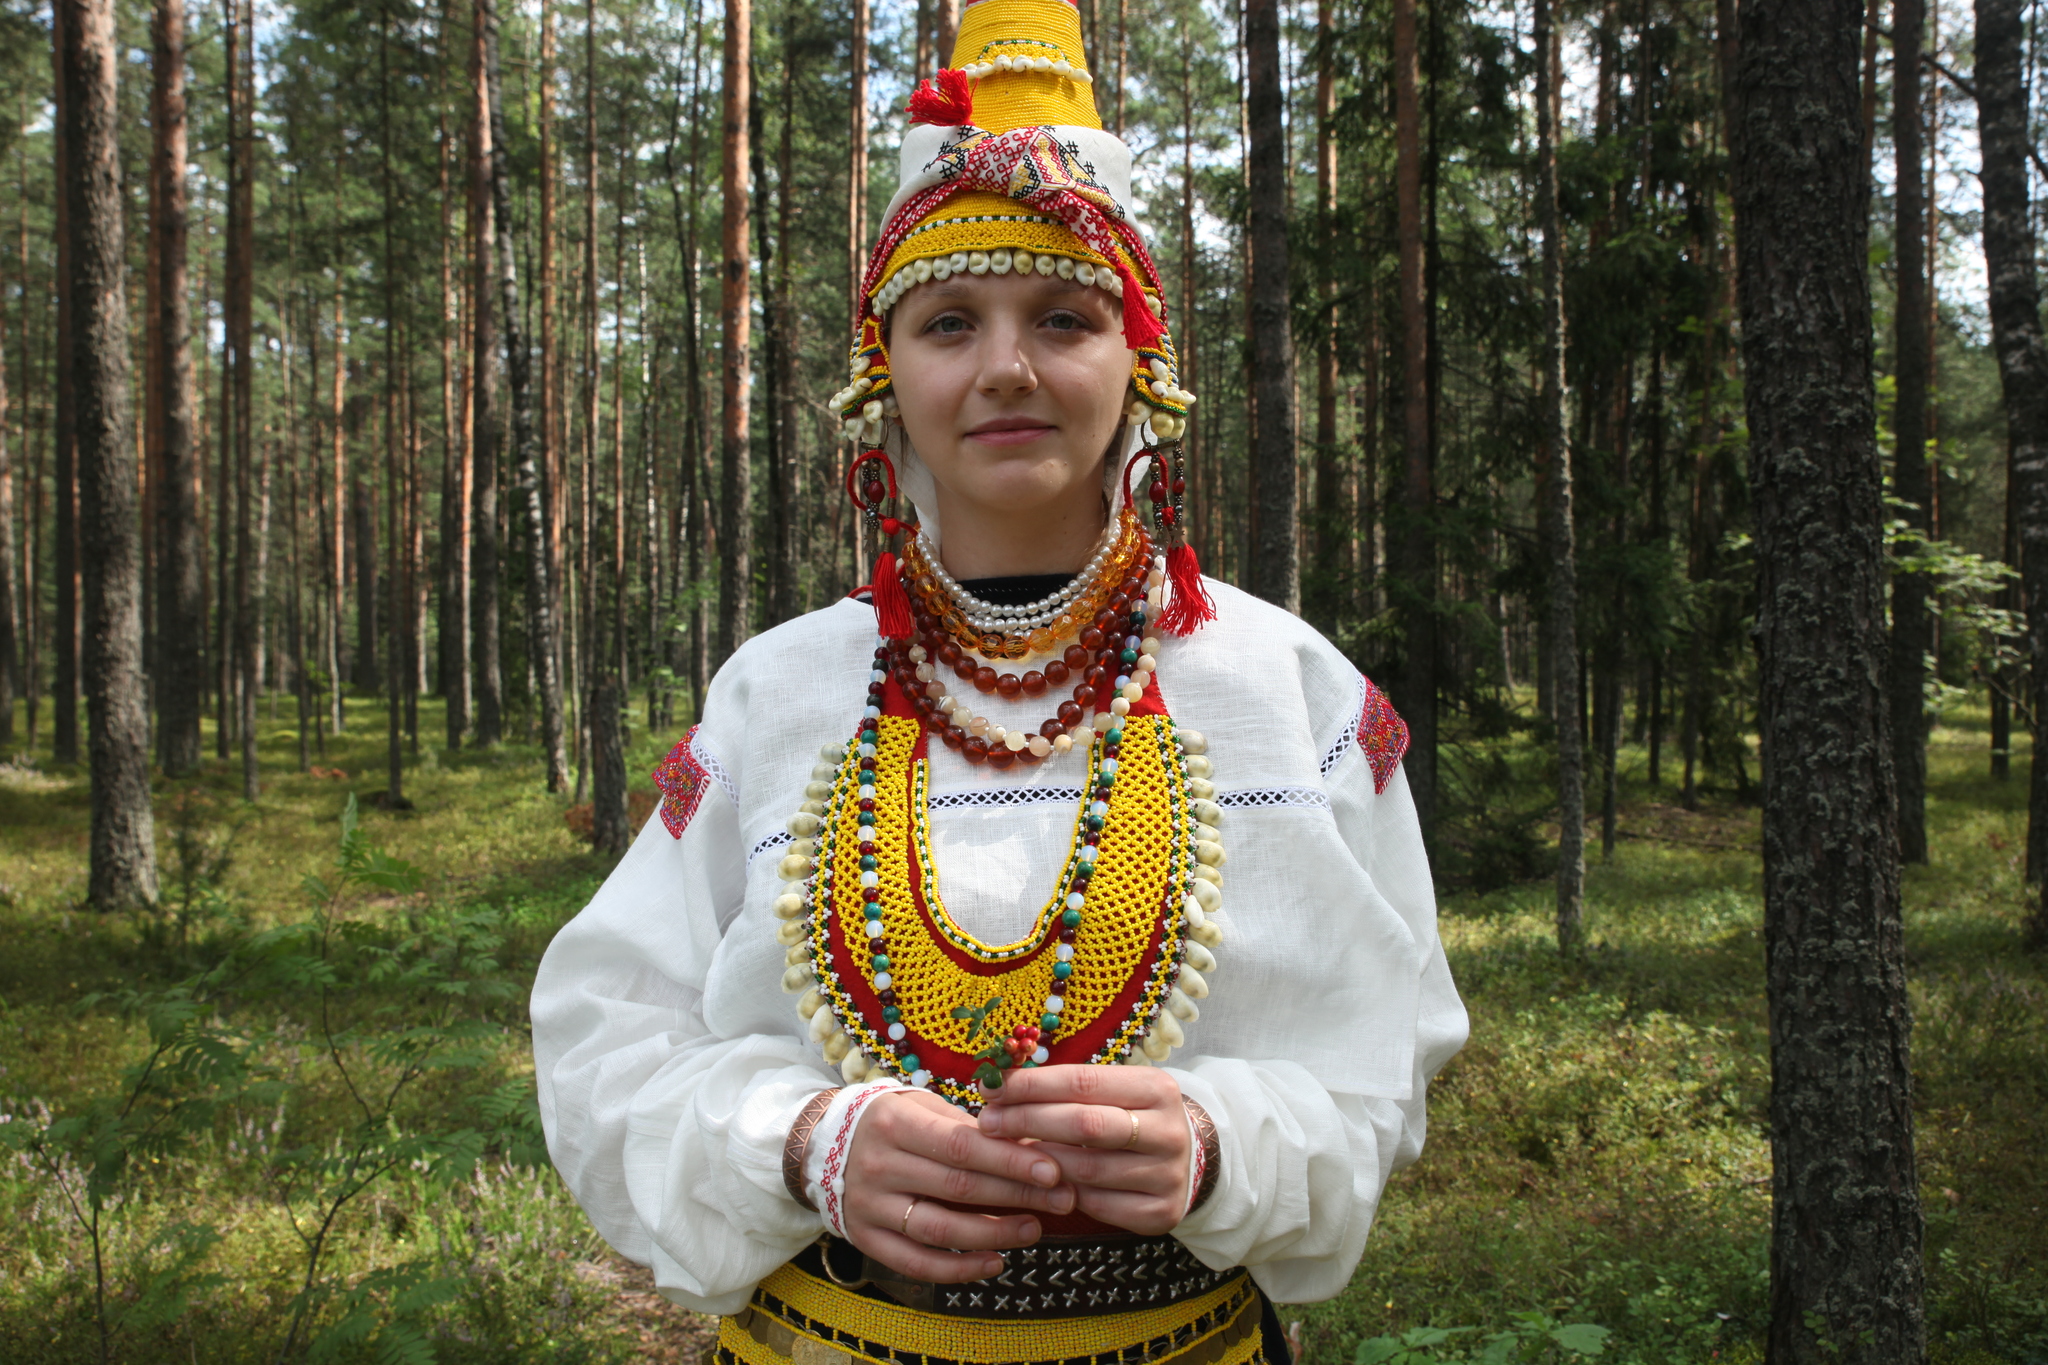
1066	322
947	324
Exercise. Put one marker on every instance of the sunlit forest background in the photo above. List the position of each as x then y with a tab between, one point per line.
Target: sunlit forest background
511	334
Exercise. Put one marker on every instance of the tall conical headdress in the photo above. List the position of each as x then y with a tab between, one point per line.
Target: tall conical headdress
1006	167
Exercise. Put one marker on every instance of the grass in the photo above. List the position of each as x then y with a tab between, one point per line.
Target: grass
1598	1152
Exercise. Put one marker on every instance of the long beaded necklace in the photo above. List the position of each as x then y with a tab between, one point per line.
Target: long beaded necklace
891	986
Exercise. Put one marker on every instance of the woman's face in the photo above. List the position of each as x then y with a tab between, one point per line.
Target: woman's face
1010	389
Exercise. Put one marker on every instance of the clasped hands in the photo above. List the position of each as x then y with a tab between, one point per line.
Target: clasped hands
1110	1141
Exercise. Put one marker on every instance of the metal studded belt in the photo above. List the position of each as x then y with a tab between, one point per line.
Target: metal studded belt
1057	1277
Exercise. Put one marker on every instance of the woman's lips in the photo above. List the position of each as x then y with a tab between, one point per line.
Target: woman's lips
1009	432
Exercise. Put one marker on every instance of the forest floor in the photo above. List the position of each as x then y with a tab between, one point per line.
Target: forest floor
1598	1153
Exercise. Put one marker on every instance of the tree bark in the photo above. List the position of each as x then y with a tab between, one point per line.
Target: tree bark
64	471
1332	537
1560	617
736	487
1413	588
238	422
1912	637
123	847
1276	568
336	567
946	29
455	479
488	674
180	591
1846	1277
394	380
542	648
2022	361
609	831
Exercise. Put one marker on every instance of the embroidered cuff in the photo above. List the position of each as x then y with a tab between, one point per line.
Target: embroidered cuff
797	1145
1205	1160
824	1167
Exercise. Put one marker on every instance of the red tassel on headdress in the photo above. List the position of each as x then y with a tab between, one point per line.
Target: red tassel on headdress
1141	329
1189	604
892	604
949	104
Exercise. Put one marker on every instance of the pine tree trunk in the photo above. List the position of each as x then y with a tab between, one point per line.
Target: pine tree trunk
64	531
1912	635
123	847
2022	363
946	29
180	600
454	575
336	567
542	647
394	379
1332	537
609	831
1413	588
736	487
239	421
488	675
1559	552
1276	568
1846	1278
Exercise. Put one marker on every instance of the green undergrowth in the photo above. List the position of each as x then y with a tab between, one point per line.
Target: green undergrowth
1597	1156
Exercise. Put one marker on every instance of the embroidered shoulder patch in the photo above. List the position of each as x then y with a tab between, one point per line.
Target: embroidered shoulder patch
682	779
1382	734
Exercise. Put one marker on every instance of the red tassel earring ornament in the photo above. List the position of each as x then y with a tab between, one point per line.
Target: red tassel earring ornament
870	480
1188	603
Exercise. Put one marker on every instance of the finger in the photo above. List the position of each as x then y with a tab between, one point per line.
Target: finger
921	1262
1139	1172
935	1225
1129	1087
955	1141
908	1171
1107	1126
1148	1214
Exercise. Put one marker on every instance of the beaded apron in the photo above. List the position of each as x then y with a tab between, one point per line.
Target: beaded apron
797	1318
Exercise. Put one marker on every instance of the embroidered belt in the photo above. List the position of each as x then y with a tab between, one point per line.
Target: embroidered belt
1059	1277
799	1318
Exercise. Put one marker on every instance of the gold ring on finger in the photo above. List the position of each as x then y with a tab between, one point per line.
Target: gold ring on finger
1134	1130
904	1227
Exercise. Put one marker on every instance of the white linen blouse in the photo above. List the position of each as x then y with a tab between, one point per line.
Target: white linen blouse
670	1064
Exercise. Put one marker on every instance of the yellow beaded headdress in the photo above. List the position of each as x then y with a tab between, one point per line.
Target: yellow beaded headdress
1006	167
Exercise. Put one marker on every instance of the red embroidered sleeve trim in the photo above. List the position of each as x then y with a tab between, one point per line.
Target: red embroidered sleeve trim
682	779
1382	734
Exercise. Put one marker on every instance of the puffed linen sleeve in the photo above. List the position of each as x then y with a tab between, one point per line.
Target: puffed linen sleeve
1304	1165
669	1135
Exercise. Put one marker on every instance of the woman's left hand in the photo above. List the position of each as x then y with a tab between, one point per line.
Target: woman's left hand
1119	1133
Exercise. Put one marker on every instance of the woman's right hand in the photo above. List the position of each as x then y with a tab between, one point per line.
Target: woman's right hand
912	1150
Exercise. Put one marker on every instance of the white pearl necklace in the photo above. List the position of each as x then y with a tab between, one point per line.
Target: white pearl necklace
993	617
1129	687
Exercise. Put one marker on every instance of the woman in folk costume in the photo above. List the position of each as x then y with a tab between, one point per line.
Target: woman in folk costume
1046	1079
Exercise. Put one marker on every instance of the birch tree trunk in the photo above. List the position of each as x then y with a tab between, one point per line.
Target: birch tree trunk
122	869
1846	1278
